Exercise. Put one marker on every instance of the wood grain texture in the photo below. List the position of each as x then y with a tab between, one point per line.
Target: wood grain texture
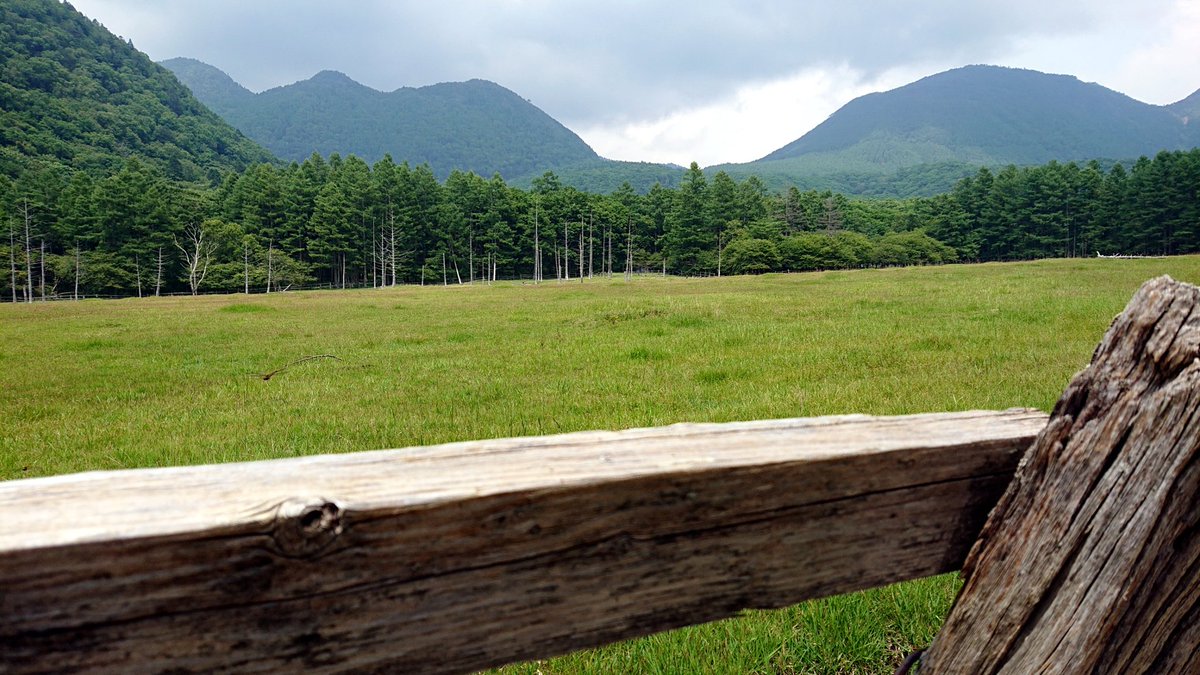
458	557
1091	561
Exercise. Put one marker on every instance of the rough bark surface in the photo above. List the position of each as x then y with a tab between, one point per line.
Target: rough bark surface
1091	561
459	557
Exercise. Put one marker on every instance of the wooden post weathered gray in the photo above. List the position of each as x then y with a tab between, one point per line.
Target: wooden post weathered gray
459	557
1091	561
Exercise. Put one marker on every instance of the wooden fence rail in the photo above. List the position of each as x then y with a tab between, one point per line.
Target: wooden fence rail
463	556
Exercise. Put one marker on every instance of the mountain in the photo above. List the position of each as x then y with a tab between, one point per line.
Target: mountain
977	115
74	94
1188	109
475	125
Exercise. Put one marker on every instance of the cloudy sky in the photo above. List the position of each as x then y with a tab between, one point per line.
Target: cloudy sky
672	81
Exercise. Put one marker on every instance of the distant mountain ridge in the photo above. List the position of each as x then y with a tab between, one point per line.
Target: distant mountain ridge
472	126
980	115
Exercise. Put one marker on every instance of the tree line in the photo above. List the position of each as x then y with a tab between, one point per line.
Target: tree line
339	222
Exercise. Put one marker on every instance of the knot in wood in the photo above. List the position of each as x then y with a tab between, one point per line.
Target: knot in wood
305	527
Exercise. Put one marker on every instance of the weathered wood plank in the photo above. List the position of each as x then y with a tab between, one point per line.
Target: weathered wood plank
458	557
1091	561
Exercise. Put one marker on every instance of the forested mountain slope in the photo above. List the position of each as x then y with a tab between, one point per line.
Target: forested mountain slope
469	126
74	94
973	116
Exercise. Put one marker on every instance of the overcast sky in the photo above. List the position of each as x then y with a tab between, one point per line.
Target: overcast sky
673	81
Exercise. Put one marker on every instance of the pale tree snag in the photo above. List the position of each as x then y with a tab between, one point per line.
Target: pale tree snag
27	215
1090	563
12	261
158	274
197	252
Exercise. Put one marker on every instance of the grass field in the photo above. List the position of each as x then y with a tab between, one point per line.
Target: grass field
152	382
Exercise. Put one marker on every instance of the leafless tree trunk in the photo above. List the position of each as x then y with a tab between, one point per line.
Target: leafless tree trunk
42	268
197	252
609	236
137	265
157	275
28	216
245	266
537	251
591	245
581	251
12	259
471	253
445	281
629	251
456	273
719	234
392	241
566	254
270	264
76	296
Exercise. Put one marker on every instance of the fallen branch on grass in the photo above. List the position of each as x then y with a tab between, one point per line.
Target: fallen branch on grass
275	372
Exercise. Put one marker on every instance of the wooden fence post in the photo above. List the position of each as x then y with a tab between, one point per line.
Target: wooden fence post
1090	563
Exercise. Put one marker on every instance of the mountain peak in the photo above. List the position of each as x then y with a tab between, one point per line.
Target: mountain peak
476	125
982	114
333	76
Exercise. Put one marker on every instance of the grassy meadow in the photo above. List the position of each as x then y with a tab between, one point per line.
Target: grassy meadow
163	381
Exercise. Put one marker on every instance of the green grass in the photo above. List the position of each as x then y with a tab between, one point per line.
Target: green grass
153	382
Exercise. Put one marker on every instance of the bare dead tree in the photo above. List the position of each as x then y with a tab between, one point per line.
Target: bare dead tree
445	281
537	251
581	250
157	274
42	268
12	259
197	252
392	241
591	245
566	254
629	250
719	242
76	295
27	214
137	265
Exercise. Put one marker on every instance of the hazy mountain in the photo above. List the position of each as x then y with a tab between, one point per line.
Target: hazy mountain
973	116
73	93
1188	109
475	125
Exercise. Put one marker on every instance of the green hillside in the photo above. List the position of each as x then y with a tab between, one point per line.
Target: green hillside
972	116
74	94
470	126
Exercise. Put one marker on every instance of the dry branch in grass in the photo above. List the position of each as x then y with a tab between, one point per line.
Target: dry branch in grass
273	373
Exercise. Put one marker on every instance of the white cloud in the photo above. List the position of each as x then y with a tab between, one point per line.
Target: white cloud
755	120
1166	69
673	80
